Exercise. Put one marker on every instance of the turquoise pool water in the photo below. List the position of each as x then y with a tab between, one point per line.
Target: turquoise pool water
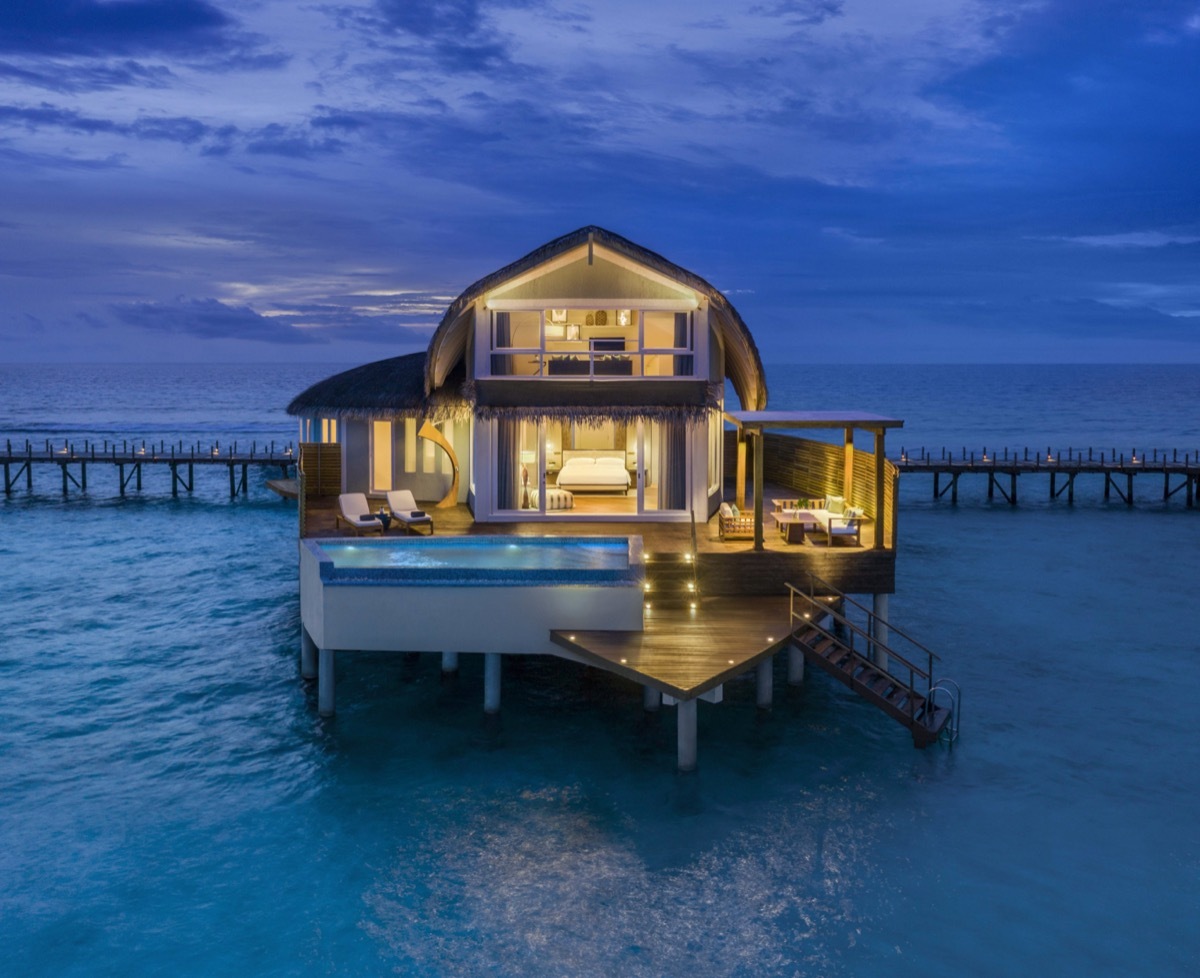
482	553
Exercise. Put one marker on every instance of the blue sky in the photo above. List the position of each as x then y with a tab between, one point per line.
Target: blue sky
869	180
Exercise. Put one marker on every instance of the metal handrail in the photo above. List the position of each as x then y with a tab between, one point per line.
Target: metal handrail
814	579
943	686
913	669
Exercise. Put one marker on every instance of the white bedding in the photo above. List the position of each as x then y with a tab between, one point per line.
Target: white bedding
597	473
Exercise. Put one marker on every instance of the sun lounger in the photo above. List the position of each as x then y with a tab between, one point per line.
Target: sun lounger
404	508
355	512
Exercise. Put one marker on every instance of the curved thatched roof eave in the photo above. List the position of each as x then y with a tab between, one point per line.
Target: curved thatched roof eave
743	363
391	388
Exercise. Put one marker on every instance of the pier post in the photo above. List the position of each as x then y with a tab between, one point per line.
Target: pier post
651	699
765	683
686	730
325	683
491	682
879	608
449	663
308	655
795	667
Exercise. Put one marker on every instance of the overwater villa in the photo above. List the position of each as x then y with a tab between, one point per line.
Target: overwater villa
559	474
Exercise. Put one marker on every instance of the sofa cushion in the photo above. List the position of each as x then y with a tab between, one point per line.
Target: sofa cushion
726	511
835	504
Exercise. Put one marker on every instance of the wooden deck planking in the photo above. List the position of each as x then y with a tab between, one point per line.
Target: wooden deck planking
685	653
723	568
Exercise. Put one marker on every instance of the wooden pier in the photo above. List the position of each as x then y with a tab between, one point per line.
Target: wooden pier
129	458
1179	471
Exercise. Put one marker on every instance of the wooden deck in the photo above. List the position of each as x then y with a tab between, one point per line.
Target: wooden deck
724	568
686	653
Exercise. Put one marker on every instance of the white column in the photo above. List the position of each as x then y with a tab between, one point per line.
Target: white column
687	734
325	683
449	662
766	682
491	682
308	655
651	699
795	667
879	605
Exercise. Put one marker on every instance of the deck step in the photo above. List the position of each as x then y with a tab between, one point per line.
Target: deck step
670	580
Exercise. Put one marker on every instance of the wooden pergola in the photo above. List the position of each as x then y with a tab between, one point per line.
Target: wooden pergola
751	425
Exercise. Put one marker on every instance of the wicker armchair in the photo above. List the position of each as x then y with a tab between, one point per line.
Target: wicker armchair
734	525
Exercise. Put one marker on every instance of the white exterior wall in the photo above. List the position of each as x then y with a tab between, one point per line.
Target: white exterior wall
415	618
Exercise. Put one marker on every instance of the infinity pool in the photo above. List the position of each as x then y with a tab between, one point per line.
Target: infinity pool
469	594
507	554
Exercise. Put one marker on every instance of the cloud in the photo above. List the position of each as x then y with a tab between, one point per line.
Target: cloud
69	77
196	32
278	140
272	139
853	237
94	28
1132	239
177	129
800	13
211	319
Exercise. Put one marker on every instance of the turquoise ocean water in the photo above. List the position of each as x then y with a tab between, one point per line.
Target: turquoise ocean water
170	802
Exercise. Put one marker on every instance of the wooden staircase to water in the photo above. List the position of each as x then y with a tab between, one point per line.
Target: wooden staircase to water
897	684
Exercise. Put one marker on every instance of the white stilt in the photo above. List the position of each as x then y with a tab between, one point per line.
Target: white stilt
491	682
879	605
766	682
795	667
325	683
449	662
308	655
687	734
651	699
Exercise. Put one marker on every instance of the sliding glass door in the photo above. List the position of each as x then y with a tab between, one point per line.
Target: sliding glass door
593	468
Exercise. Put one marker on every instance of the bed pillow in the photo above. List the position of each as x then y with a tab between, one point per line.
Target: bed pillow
606	460
581	461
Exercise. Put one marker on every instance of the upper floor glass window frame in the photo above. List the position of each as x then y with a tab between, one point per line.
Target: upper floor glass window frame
566	350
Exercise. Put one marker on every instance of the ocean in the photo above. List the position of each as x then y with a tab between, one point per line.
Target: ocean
170	802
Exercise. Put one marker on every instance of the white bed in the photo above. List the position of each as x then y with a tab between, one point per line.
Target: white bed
599	471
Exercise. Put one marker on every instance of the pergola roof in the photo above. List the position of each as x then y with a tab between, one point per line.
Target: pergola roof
760	420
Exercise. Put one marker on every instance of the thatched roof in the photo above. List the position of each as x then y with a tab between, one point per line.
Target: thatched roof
743	365
392	388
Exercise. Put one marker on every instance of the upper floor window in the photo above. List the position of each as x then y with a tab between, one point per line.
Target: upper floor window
592	343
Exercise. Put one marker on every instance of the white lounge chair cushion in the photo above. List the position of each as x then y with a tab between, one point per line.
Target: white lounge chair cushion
404	507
